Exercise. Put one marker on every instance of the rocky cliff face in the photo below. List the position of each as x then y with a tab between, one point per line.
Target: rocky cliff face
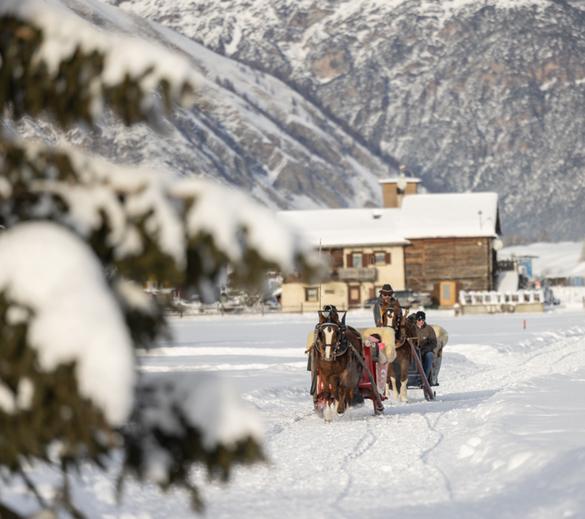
469	95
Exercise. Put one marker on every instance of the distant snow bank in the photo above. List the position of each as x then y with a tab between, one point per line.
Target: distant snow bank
549	259
570	296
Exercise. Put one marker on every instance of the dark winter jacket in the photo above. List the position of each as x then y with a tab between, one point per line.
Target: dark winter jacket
381	312
427	339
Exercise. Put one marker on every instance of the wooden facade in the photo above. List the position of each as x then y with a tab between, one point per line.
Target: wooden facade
471	262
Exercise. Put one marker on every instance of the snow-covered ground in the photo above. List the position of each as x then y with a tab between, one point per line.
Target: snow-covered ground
505	437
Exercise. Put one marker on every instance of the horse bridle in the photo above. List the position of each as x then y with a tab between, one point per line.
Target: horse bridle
328	349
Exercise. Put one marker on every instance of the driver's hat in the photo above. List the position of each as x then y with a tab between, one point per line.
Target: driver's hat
386	289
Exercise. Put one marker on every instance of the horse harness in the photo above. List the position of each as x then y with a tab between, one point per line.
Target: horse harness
330	350
401	341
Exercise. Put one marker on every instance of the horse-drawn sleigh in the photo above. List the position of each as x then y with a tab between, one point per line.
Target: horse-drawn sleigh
349	365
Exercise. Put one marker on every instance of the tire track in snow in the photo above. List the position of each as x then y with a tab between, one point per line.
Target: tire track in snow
363	445
426	454
526	365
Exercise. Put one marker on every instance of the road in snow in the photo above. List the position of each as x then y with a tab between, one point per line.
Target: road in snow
505	438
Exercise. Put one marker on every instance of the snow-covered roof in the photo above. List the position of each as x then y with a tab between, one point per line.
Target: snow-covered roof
452	215
338	227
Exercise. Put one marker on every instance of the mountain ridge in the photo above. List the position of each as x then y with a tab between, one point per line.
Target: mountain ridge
469	95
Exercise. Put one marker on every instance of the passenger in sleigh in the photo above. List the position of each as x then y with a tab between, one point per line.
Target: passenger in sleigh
427	342
432	339
388	308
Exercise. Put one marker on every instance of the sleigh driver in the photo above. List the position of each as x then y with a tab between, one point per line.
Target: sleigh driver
387	310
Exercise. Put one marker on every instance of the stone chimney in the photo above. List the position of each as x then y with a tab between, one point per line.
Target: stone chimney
396	188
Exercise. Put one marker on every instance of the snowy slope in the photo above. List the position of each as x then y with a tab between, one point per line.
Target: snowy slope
247	129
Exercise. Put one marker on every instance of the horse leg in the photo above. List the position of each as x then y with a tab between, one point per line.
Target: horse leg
393	380
324	394
342	402
404	365
334	390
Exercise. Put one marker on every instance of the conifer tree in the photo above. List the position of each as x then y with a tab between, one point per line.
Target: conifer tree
80	237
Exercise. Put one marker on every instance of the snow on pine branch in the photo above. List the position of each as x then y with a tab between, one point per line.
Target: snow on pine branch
225	213
54	282
64	32
142	206
205	403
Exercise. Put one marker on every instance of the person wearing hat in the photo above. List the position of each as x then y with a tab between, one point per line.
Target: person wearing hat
387	305
427	342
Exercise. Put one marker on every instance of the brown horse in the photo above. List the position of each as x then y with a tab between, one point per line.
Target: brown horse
399	368
334	365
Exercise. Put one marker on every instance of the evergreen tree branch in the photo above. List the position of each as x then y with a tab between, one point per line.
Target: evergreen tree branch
74	90
137	225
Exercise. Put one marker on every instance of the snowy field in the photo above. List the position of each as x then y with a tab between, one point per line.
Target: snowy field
505	438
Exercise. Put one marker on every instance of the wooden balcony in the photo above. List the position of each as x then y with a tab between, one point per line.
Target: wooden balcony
357	274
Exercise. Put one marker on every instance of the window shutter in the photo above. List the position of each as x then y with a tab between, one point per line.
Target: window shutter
388	258
349	260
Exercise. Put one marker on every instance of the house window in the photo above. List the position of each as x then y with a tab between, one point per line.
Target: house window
354	294
312	294
357	260
382	258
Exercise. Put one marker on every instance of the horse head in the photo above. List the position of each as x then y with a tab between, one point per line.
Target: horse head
331	342
410	325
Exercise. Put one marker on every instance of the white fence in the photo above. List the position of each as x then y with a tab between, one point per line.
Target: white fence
492	302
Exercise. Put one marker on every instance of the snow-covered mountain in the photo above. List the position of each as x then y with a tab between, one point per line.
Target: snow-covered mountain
471	95
247	129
